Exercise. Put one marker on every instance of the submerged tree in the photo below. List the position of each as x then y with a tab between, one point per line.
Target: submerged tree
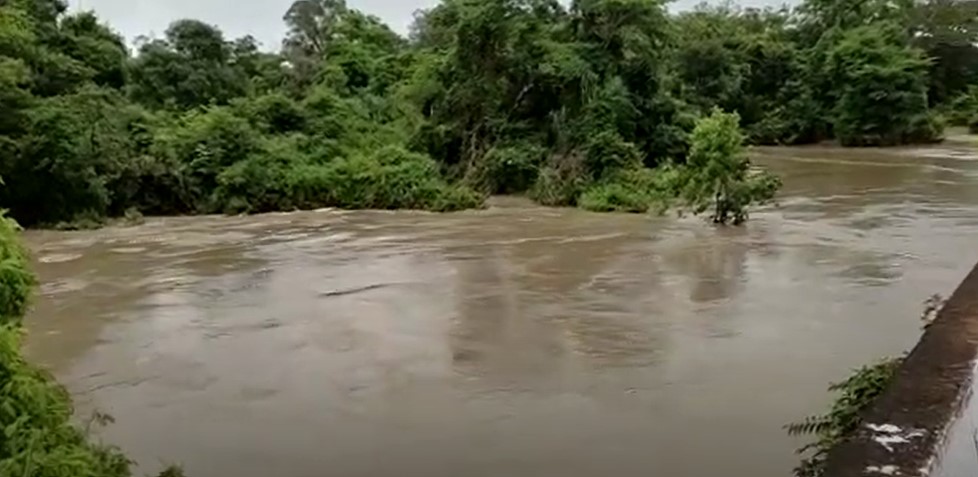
718	175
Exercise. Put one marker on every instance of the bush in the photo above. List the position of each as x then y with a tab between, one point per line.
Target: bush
607	153
15	280
507	169
635	190
260	182
718	174
615	197
973	124
560	183
925	128
273	113
74	147
963	108
203	144
36	435
390	178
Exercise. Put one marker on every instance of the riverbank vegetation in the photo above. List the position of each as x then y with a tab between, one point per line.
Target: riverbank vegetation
592	104
853	398
37	437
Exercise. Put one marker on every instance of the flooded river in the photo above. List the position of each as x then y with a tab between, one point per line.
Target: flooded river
514	341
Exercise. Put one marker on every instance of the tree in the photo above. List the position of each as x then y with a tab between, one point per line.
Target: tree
718	175
74	146
194	66
96	46
880	88
312	25
948	31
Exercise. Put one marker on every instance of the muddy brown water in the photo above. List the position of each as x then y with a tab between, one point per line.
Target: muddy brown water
516	341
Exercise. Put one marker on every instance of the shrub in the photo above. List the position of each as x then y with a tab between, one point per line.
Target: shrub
718	174
962	109
973	124
204	144
390	178
615	197
925	128
636	190
260	182
15	280
273	113
607	153
36	435
561	182
507	169
75	145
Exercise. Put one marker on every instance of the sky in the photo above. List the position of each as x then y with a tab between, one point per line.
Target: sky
261	19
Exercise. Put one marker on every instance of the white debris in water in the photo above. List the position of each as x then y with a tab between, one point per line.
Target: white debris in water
884	429
888	435
885	470
59	257
889	441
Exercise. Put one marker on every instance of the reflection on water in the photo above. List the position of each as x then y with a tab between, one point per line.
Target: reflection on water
512	341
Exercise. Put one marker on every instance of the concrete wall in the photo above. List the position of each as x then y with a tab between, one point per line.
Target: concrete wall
923	424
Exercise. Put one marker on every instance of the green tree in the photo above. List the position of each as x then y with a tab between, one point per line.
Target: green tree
718	176
74	146
880	88
193	66
948	31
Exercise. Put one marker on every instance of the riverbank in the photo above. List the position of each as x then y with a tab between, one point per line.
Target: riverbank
924	423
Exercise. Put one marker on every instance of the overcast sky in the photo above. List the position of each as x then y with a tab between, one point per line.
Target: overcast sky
259	18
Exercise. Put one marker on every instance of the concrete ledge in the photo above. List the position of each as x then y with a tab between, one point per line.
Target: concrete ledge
906	428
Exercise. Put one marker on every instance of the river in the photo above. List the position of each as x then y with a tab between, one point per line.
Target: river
514	341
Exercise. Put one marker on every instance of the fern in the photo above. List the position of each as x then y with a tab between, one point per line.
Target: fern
810	425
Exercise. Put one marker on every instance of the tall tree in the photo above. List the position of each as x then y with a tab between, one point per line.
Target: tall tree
193	66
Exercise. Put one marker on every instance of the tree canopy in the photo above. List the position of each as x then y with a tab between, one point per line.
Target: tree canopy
596	103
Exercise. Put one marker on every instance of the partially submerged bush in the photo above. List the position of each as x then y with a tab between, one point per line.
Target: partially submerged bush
507	169
925	128
718	175
615	197
561	182
390	178
607	153
636	190
963	108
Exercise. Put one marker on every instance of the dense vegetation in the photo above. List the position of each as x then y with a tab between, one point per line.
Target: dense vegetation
37	438
591	104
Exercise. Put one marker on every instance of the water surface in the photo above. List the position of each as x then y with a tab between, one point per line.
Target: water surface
514	341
